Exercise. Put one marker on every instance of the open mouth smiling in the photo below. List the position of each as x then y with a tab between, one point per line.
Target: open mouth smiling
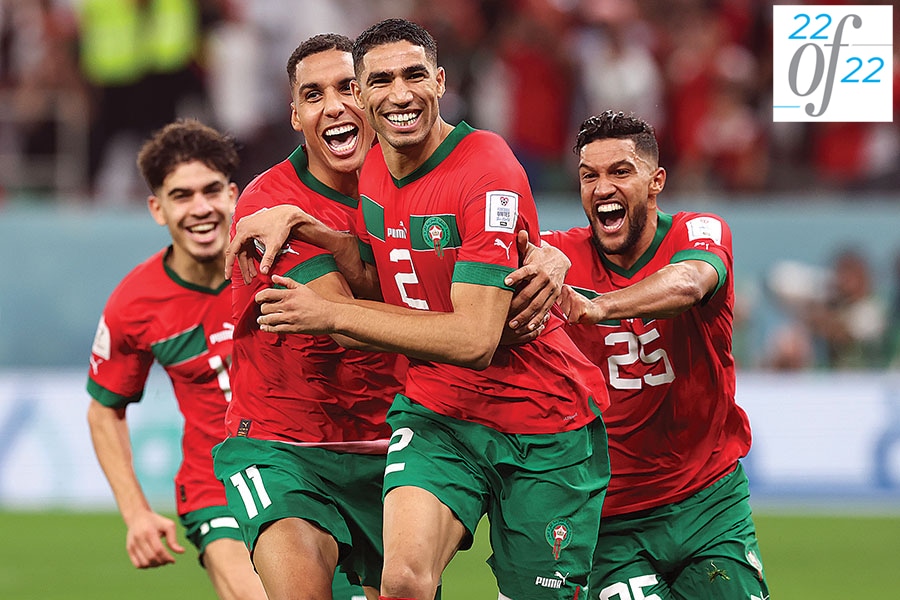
611	215
342	138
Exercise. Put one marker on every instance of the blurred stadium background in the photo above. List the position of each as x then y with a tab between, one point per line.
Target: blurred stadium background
800	197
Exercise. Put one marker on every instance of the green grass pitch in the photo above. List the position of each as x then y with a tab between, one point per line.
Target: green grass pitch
75	556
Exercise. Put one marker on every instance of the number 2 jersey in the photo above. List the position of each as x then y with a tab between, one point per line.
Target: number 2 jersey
454	219
298	388
674	427
155	315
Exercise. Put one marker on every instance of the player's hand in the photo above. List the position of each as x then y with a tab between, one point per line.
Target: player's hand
144	541
294	309
511	337
577	308
266	230
539	282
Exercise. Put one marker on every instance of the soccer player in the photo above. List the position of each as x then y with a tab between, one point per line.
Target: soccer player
303	462
511	431
175	309
650	300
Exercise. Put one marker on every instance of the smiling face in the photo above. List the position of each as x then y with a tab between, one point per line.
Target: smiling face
618	194
322	108
195	202
398	88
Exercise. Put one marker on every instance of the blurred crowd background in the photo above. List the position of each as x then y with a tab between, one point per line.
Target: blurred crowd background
83	82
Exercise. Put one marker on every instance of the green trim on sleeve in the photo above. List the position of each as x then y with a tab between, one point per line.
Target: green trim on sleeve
312	269
108	398
481	274
708	257
366	253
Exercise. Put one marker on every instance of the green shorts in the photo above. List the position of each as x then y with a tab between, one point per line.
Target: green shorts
338	492
702	548
542	493
208	524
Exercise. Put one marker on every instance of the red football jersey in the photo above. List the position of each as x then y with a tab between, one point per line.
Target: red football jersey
673	424
304	388
455	220
154	315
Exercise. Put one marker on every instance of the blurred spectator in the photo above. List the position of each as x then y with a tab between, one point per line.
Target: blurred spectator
716	136
140	58
248	48
528	69
534	76
845	320
789	348
42	98
614	50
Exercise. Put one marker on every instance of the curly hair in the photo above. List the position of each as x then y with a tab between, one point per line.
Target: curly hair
182	141
618	125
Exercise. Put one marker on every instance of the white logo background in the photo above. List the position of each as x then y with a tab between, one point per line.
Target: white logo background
832	63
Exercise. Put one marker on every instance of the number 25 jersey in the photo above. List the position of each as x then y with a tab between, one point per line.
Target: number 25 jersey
674	427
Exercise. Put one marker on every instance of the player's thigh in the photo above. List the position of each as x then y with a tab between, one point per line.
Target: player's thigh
545	513
720	578
339	493
296	559
727	563
427	452
228	566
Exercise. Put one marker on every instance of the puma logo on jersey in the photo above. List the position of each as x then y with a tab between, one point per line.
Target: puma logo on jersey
95	364
286	249
225	335
397	232
550	582
506	247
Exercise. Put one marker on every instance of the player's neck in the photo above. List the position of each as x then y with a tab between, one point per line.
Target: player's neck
344	183
404	160
203	274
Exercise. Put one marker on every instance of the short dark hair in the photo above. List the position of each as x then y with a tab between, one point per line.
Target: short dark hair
389	31
314	45
186	140
612	124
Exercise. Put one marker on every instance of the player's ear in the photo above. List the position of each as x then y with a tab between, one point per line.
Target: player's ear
357	94
295	119
440	77
658	181
233	192
155	208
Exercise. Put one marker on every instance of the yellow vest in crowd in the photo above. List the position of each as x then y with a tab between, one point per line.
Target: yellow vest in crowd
121	40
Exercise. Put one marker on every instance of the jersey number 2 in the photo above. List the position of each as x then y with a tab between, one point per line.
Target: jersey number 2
404	279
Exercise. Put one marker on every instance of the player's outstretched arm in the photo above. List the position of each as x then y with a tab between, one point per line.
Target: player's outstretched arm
538	283
667	293
146	528
467	336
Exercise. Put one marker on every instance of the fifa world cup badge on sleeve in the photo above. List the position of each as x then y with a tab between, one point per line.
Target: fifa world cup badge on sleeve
832	63
501	211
